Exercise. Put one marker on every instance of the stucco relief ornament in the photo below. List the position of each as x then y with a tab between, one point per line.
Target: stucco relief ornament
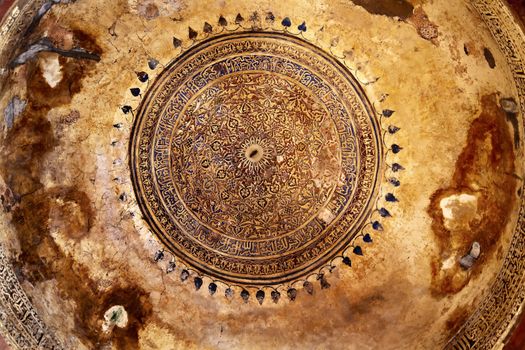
256	159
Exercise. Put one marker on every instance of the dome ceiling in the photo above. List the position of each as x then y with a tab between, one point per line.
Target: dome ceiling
256	157
258	174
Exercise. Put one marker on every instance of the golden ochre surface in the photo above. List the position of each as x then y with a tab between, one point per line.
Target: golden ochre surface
151	189
255	156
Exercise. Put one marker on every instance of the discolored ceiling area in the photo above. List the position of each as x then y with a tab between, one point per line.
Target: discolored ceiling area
334	174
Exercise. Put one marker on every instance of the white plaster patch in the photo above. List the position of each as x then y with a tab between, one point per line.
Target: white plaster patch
51	70
115	316
459	210
449	263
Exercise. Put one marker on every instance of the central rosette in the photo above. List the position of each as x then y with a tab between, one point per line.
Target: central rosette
255	156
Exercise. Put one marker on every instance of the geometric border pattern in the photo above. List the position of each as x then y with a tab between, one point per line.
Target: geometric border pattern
19	321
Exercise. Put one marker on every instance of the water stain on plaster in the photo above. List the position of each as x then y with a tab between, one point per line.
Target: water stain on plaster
41	259
38	211
344	314
31	136
39	90
27	143
484	170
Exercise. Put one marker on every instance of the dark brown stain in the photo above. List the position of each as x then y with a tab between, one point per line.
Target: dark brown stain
489	57
391	8
91	306
86	41
31	220
73	70
38	208
43	96
42	259
76	206
38	249
139	309
27	143
31	137
484	168
363	306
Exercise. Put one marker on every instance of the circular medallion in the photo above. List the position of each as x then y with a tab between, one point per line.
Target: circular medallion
255	157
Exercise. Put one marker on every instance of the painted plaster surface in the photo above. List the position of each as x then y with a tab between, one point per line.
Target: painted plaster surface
75	236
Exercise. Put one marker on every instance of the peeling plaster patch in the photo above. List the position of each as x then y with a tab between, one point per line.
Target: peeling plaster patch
13	110
458	210
475	251
425	28
115	316
51	70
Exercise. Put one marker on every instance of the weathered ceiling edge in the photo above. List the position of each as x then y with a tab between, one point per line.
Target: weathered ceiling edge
20	325
484	330
493	319
17	20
